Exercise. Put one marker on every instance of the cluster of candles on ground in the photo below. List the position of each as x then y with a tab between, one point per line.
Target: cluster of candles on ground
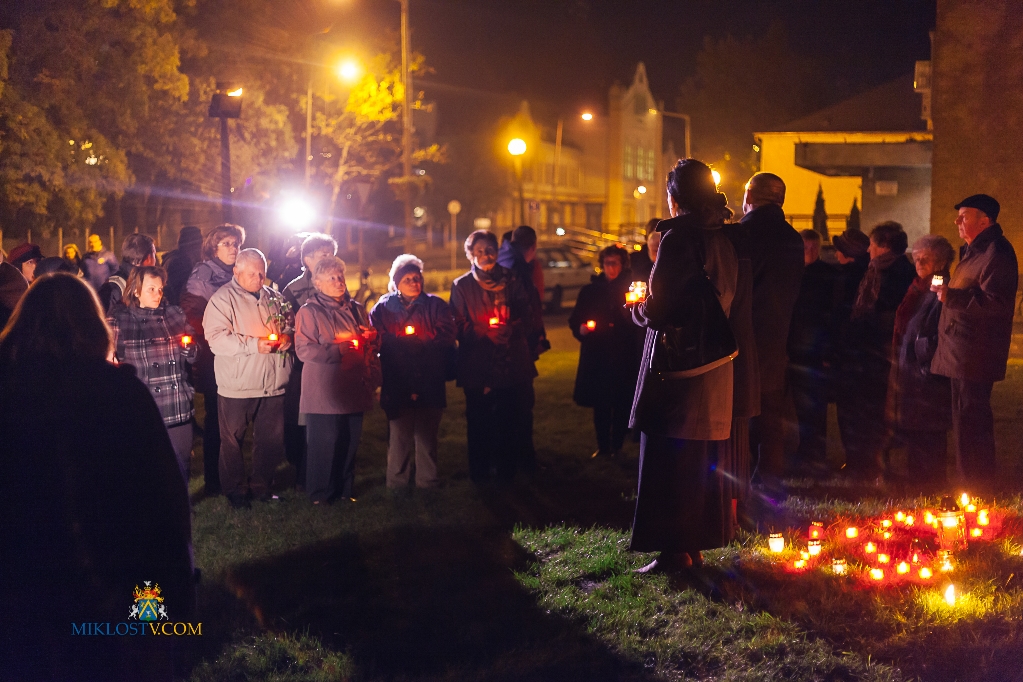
900	546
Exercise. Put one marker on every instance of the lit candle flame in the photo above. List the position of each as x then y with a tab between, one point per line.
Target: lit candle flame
852	532
910	520
950	595
272	337
776	542
409	330
591	324
185	340
982	518
883	558
977	532
876	573
925	573
494	321
902	568
964	499
870	548
900	516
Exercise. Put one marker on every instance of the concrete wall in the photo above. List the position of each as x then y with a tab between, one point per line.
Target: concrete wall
911	206
977	107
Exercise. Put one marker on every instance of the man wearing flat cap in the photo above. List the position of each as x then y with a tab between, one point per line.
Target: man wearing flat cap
974	332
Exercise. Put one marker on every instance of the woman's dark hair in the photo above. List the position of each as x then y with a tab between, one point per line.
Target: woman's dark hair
476	236
59	318
213	237
691	185
136	248
615	251
318	242
137	278
890	235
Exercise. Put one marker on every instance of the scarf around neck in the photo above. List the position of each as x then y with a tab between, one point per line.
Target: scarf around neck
870	287
493	280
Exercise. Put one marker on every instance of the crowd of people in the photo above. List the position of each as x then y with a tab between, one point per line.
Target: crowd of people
701	347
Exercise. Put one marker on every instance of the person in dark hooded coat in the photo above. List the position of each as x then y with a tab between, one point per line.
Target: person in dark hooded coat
608	360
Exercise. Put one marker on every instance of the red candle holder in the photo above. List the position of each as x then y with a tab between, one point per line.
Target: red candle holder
186	341
410	330
494	321
591	324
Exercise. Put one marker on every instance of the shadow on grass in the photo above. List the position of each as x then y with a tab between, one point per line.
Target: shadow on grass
417	602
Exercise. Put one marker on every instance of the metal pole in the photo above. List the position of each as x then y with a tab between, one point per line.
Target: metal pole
309	132
557	167
454	232
522	204
406	126
225	170
112	239
60	241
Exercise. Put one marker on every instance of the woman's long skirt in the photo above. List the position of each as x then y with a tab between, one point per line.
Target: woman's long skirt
688	491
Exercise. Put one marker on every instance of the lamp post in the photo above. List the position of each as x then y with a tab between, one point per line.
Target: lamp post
406	124
349	71
225	104
517	147
454	208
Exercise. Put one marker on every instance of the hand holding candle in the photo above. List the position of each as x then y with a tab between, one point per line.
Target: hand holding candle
636	294
410	330
186	341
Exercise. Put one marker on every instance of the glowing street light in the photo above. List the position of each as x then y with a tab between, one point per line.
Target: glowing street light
587	116
296	213
235	93
517	147
349	70
717	177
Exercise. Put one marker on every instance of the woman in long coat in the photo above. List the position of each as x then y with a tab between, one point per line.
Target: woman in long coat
335	340
920	403
608	359
689	451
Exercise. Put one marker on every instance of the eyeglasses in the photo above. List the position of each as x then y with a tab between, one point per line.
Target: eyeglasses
228	245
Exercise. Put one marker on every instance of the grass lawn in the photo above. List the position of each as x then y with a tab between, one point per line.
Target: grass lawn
535	582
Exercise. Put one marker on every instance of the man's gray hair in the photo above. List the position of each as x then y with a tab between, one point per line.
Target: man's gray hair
937	246
250	256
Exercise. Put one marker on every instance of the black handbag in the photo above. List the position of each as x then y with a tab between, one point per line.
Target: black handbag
700	339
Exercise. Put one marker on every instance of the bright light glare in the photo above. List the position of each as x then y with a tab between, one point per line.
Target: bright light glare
717	177
517	147
641	189
587	116
235	93
349	70
652	111
560	232
950	595
296	213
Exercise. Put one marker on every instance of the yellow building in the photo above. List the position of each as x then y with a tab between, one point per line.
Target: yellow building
873	149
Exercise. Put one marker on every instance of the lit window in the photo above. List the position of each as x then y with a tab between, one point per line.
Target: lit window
627	170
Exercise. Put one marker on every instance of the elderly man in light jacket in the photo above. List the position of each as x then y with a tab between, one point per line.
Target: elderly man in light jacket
248	326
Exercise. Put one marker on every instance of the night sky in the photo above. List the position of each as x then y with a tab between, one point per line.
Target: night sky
569	52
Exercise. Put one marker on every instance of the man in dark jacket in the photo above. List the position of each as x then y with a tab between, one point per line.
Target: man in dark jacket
179	262
809	350
777	259
137	250
975	331
12	285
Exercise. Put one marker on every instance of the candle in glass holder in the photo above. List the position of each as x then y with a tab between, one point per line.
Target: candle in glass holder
776	542
494	321
813	547
925	573
982	517
876	573
799	563
355	344
839	566
977	532
591	324
186	341
964	499
852	532
928	517
900	516
409	330
870	548
272	337
636	293
883	558
910	520
937	280
950	595
945	560
816	530
902	568
886	523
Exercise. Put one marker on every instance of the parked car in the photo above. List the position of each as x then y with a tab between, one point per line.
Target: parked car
564	273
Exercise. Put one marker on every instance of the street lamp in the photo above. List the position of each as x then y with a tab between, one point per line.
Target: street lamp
587	116
349	71
226	103
517	147
717	177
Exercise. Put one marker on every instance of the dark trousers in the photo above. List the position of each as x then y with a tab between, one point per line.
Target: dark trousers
767	435
211	443
267	418
926	455
331	443
181	439
861	417
810	396
973	428
498	430
611	421
294	433
679	502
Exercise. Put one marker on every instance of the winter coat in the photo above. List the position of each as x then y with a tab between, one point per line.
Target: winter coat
414	364
746	366
149	339
336	377
699	407
813	317
608	358
777	258
870	332
111	294
94	505
299	290
531	276
235	321
976	319
919	400
179	264
98	267
482	363
12	285
206	278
